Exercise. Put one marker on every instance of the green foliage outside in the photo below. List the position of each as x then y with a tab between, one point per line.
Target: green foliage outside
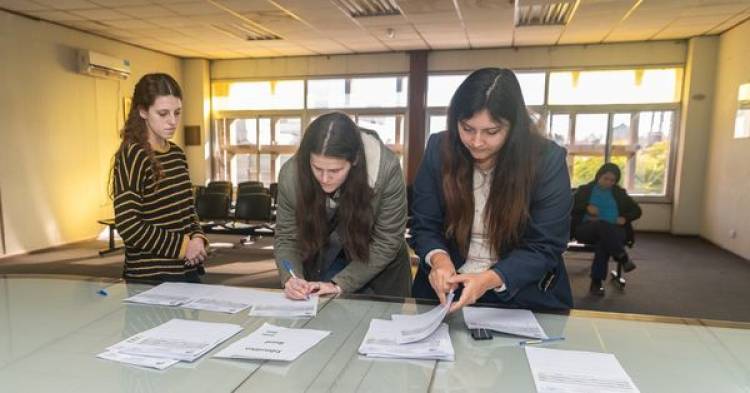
650	169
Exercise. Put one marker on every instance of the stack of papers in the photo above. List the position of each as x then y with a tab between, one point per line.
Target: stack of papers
226	299
380	342
511	321
170	342
421	336
274	343
556	370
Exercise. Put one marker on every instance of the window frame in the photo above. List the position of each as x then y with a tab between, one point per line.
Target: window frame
221	171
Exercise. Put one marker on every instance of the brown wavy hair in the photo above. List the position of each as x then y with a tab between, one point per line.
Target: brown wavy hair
334	135
507	210
135	131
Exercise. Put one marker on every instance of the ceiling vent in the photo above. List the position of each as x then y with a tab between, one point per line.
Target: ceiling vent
369	8
245	32
543	12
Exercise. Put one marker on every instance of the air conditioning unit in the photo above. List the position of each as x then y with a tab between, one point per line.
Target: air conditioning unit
103	66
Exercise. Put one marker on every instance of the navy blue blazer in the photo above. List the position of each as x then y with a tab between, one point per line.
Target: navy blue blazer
534	272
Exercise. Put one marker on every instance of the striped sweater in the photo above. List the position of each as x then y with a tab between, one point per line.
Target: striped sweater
155	223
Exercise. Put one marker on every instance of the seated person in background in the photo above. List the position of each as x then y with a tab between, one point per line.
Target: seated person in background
153	196
491	207
602	213
341	216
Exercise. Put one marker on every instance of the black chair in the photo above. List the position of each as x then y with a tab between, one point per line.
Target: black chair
212	206
198	190
244	188
253	207
250	183
220	187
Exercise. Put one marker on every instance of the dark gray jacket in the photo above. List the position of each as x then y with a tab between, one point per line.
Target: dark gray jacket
387	272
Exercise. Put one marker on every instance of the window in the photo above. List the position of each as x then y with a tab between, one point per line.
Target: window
374	92
258	125
742	119
639	142
254	148
615	86
287	94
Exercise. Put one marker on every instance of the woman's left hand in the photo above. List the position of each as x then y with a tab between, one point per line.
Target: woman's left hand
326	288
475	285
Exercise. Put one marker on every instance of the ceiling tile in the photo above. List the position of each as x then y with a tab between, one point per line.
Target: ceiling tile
427	6
545	35
243	6
131	24
172	21
23	5
119	3
101	14
68	4
194	8
682	32
730	23
140	11
55	16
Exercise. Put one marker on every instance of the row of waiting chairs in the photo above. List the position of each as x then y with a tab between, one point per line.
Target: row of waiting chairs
253	203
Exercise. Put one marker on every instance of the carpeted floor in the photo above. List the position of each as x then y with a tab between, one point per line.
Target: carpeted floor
676	276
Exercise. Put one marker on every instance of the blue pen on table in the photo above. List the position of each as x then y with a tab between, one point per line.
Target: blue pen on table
288	267
540	340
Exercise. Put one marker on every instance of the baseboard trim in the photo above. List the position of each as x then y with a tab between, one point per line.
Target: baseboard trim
46	249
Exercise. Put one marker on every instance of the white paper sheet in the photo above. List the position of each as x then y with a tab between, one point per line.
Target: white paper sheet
561	371
512	321
275	304
177	339
199	296
272	342
140	361
411	328
221	298
166	294
380	341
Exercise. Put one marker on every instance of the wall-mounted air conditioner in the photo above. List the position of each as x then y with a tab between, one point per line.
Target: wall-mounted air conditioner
101	65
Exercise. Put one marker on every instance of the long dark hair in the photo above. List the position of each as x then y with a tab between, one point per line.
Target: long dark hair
507	210
334	135
135	131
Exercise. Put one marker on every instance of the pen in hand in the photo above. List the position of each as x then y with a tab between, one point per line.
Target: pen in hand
288	267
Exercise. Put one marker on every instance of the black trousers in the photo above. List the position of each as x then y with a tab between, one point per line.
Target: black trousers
609	240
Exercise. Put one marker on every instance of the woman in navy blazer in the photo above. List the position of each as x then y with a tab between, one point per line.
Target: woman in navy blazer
491	203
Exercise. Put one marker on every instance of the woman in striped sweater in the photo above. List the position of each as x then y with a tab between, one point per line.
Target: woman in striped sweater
154	210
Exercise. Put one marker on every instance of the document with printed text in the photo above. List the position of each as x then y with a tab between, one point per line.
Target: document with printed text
272	342
561	371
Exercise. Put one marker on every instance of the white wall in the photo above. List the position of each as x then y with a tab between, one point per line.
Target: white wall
286	67
694	133
60	130
565	56
727	181
196	104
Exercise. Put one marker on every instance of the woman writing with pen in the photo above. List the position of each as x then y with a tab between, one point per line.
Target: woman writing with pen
341	214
